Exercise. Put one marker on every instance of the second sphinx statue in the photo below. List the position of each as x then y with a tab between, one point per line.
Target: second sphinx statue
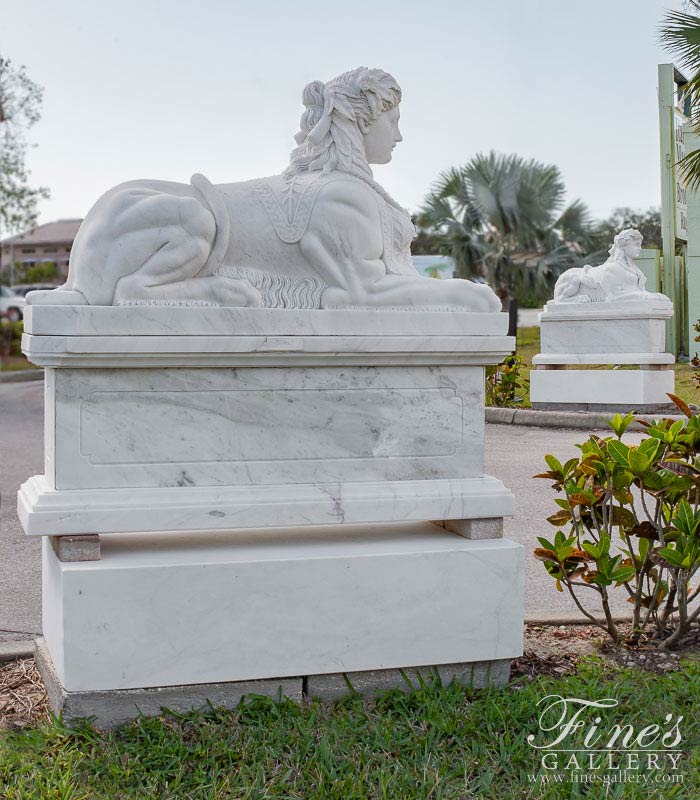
323	234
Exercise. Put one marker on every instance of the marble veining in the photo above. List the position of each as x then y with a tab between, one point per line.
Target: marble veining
224	426
200	427
173	321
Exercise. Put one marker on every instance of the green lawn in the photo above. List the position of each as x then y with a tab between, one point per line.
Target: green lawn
443	743
15	363
528	345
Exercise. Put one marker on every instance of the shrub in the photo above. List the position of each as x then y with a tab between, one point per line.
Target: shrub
633	524
505	386
10	338
695	361
39	273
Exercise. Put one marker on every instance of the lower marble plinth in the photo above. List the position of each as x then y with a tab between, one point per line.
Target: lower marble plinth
602	389
164	610
110	708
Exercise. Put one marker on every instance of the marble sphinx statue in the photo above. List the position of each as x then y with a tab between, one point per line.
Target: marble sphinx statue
323	234
617	279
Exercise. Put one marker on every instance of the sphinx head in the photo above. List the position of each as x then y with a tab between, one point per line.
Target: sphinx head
627	243
350	122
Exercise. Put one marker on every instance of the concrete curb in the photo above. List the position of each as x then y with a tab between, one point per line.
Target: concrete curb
573	420
22	375
13	651
574	618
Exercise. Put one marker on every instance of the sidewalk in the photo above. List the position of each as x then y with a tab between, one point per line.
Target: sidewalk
513	453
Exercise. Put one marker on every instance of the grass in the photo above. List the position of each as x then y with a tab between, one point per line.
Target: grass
16	363
11	358
528	345
449	743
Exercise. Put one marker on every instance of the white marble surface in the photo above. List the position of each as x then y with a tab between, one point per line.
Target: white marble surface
235	427
633	332
323	234
626	387
603	358
75	320
611	310
45	511
231	351
618	279
326	427
168	610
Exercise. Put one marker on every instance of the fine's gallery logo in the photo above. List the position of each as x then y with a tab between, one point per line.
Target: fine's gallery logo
578	743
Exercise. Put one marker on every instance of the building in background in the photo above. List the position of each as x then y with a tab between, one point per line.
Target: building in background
51	244
46	244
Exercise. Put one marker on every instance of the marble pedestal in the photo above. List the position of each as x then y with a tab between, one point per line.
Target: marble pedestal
279	607
211	449
630	335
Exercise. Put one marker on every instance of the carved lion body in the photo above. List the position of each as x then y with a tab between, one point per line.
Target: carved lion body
617	279
322	235
320	240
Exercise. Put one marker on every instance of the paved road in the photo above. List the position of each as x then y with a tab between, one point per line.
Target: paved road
21	455
513	454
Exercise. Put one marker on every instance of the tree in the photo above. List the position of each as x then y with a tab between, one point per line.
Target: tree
680	34
648	223
502	218
425	243
20	108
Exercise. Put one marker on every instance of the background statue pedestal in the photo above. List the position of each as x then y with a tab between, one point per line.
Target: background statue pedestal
601	334
235	463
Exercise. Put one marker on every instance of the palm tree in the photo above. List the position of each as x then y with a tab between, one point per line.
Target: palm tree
502	219
680	34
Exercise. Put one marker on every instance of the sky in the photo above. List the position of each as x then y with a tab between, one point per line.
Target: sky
166	89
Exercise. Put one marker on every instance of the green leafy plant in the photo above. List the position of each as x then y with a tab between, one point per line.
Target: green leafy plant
695	361
505	386
10	339
633	519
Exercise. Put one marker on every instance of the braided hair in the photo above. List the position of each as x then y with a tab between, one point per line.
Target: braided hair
330	137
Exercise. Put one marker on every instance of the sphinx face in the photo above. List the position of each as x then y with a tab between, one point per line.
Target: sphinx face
633	248
382	136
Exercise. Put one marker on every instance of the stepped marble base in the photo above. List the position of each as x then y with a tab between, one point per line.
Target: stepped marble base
164	610
45	511
601	390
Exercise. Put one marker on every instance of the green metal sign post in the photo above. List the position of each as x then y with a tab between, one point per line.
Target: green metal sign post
692	258
675	200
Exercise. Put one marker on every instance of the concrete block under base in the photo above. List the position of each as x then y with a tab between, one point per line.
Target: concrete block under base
477	674
110	708
619	388
116	707
475	528
77	548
